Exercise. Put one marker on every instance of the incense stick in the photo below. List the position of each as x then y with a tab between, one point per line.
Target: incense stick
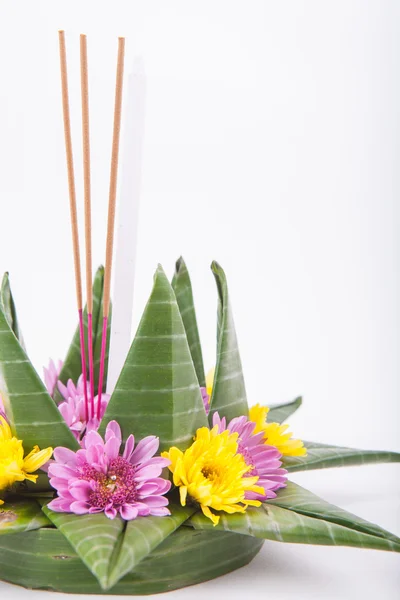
88	207
72	204
111	211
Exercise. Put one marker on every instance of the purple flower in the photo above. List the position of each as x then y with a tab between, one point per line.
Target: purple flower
264	460
97	479
206	399
51	375
74	411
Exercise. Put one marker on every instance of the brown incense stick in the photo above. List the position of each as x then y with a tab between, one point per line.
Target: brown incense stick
113	176
72	204
70	168
88	207
86	171
111	211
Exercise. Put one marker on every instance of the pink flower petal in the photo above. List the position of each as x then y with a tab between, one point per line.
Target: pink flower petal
143	509
110	512
59	505
65	455
79	508
80	490
93	439
154	487
63	471
112	447
145	449
156	501
149	471
113	430
128	512
163	511
129	446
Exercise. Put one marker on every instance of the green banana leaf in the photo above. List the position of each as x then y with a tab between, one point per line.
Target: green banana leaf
229	393
273	522
44	559
33	416
182	287
18	515
93	537
281	412
304	502
141	537
158	392
72	366
323	456
7	302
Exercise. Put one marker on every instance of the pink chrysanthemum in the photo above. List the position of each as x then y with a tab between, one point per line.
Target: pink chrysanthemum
74	411
51	375
264	460
97	479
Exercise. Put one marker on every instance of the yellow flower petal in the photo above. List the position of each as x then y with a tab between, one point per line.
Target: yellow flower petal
210	381
36	459
275	434
5	431
207	513
183	494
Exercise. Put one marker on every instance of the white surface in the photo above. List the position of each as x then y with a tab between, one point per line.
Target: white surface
126	231
272	145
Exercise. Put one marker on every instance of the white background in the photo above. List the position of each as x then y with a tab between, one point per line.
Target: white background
272	145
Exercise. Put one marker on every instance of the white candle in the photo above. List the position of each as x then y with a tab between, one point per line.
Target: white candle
127	223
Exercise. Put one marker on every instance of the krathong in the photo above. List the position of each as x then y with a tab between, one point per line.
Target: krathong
167	478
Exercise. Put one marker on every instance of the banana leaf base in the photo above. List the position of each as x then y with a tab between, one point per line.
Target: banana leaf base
43	559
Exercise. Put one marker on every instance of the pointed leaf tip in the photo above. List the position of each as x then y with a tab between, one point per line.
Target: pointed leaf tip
180	263
281	412
158	381
159	271
229	392
182	286
141	537
93	537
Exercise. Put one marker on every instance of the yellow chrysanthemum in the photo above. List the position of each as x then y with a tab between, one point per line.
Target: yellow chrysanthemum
13	466
275	434
213	474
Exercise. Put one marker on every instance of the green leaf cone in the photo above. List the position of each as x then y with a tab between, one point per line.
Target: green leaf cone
229	393
19	515
158	392
282	525
182	287
8	305
33	416
72	366
323	456
280	412
93	537
141	537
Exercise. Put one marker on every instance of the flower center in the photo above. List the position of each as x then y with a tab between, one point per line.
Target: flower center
116	487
